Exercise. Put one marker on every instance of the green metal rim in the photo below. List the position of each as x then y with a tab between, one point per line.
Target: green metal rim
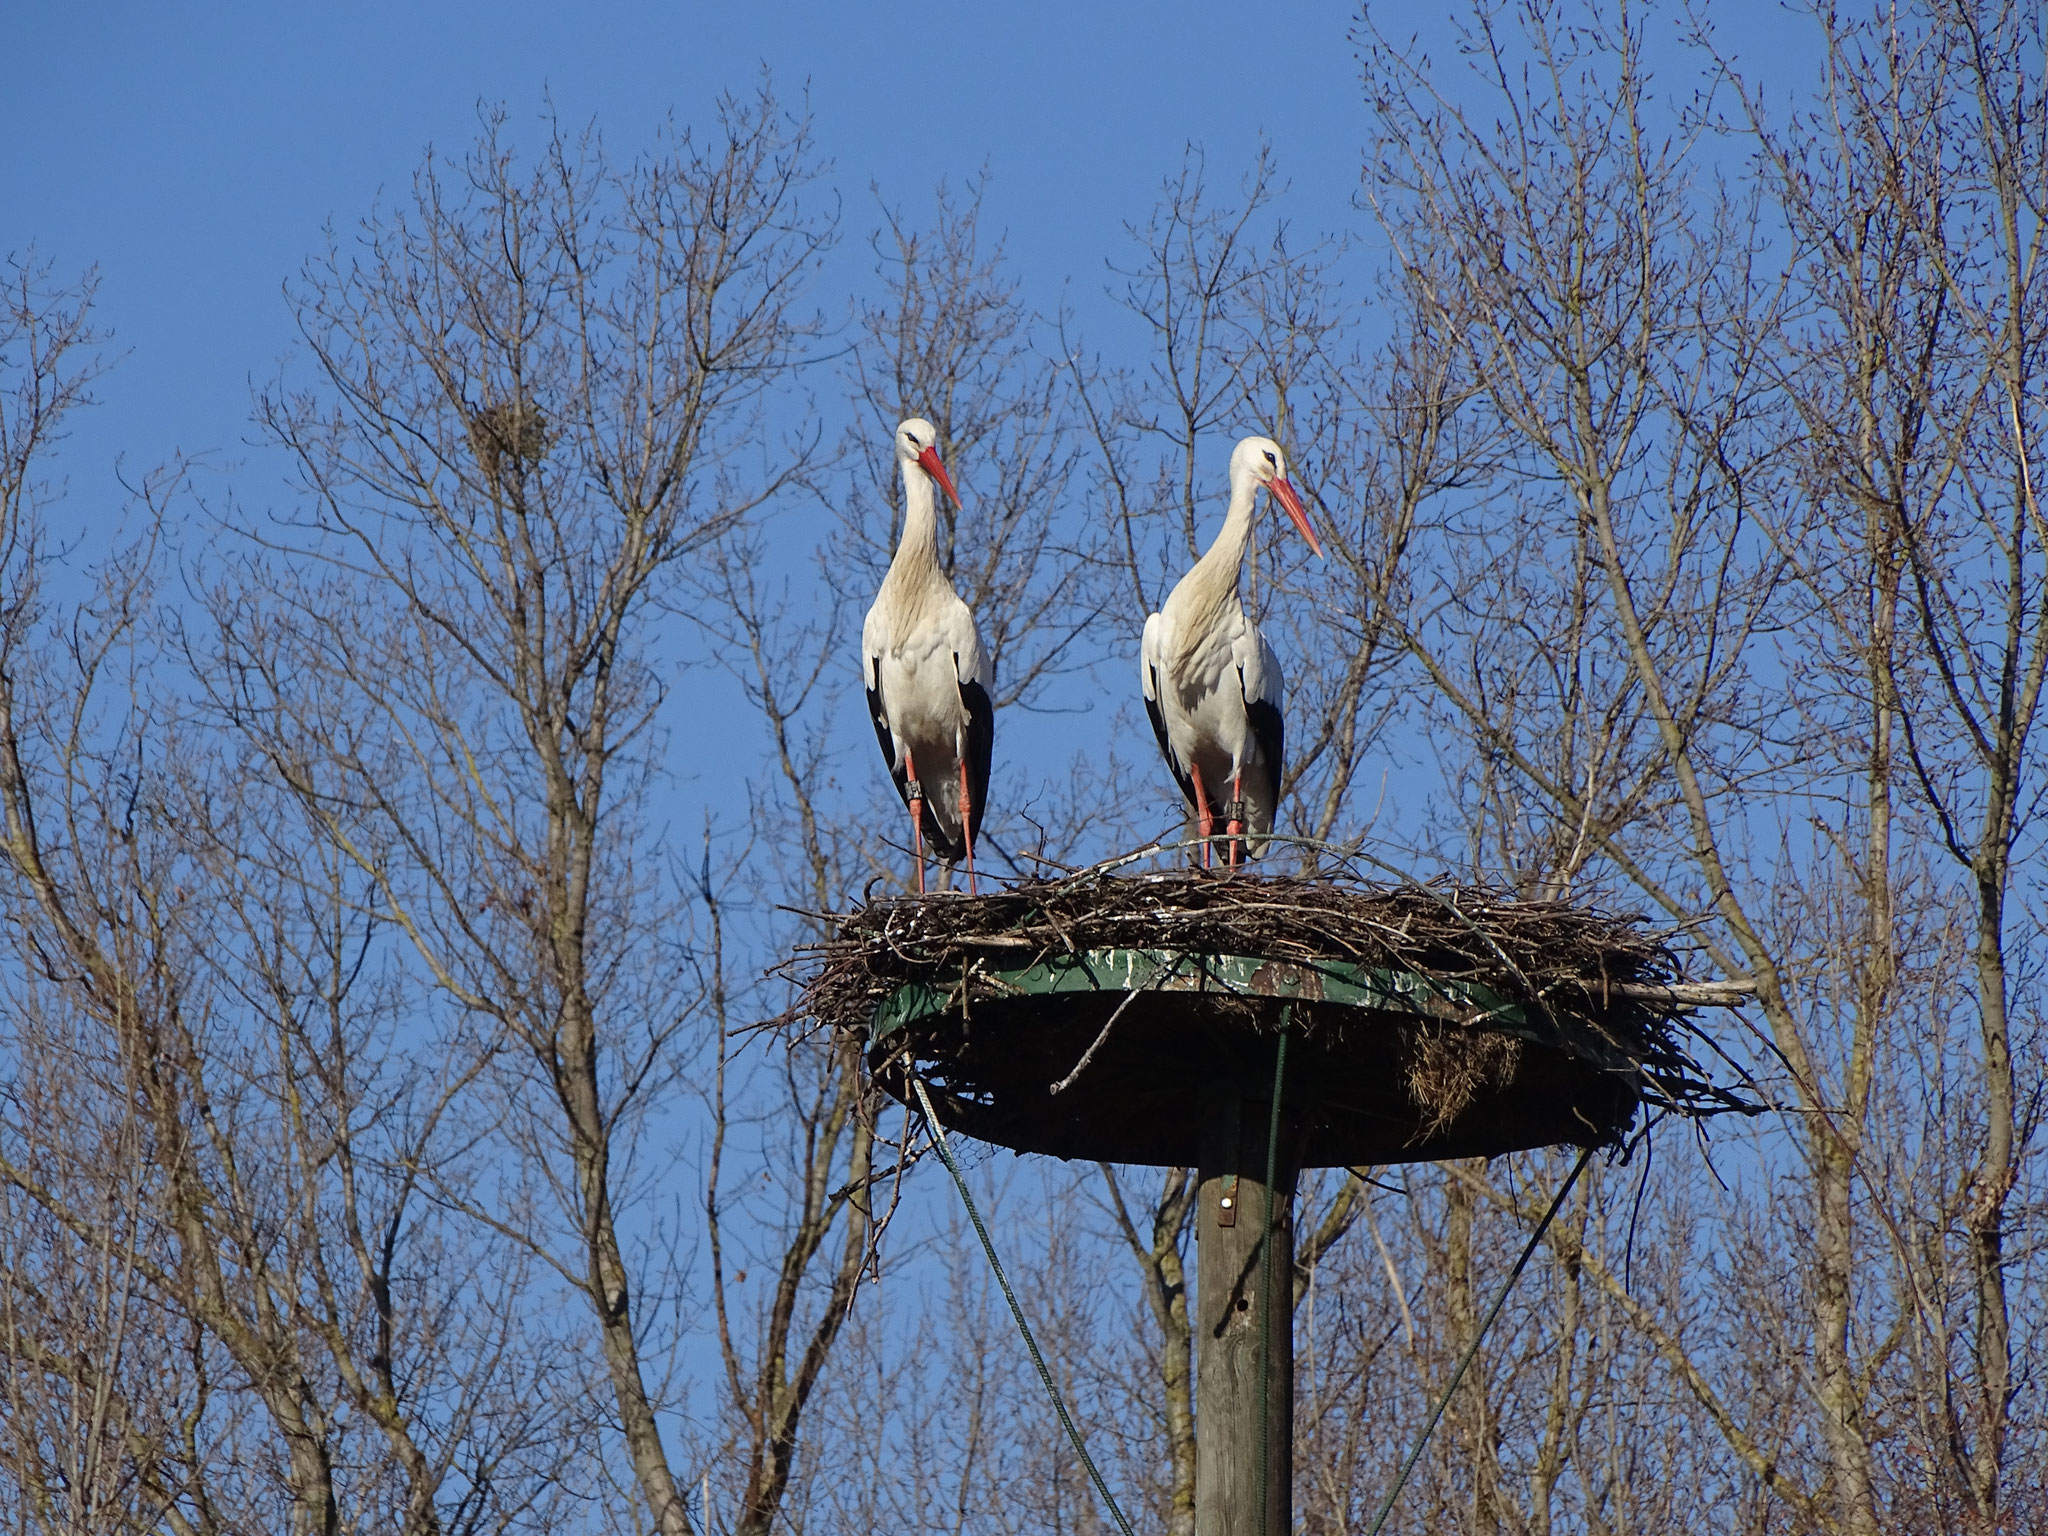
1328	981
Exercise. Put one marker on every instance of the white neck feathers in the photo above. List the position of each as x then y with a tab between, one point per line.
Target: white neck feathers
920	517
1209	590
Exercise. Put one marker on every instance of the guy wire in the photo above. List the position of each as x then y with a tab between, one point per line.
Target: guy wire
988	1247
1492	1312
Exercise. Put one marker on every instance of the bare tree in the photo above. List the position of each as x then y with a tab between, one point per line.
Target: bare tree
528	390
226	1275
1673	616
1917	185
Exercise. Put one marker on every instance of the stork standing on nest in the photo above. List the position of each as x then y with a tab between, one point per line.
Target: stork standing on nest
1212	684
928	677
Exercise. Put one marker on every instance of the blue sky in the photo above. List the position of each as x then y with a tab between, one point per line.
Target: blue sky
194	153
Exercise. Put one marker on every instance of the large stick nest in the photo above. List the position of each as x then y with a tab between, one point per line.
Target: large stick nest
1608	982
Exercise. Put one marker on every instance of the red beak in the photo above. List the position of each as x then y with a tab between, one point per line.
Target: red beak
929	462
1285	494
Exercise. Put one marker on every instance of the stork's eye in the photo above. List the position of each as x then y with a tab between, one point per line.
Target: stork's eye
1272	461
913	438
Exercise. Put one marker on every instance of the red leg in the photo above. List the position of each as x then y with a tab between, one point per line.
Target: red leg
1205	821
967	826
1235	827
916	804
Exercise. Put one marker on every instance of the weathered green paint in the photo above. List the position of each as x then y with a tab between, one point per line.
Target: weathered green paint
1328	981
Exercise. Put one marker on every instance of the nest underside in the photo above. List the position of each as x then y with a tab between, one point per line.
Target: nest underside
1609	976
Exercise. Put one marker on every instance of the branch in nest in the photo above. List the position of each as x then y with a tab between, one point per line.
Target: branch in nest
1687	994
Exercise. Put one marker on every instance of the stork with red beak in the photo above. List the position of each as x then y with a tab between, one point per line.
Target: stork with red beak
1212	684
929	679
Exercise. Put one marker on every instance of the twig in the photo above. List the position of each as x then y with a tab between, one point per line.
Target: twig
1131	997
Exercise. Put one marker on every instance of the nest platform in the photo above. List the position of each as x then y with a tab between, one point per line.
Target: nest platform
1088	1017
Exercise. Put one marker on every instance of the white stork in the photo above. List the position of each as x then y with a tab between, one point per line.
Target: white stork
1212	684
928	677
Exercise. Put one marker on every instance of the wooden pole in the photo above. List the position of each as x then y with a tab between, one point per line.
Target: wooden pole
1236	1209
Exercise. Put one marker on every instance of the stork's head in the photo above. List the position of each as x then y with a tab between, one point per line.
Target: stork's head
1260	460
917	442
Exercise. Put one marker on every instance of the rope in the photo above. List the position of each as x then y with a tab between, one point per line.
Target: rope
1059	1403
1266	1282
1492	1312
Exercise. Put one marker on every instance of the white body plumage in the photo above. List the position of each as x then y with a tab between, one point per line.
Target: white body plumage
930	682
1213	687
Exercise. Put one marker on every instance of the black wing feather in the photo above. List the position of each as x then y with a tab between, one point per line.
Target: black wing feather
890	756
1180	776
1270	732
981	743
981	740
